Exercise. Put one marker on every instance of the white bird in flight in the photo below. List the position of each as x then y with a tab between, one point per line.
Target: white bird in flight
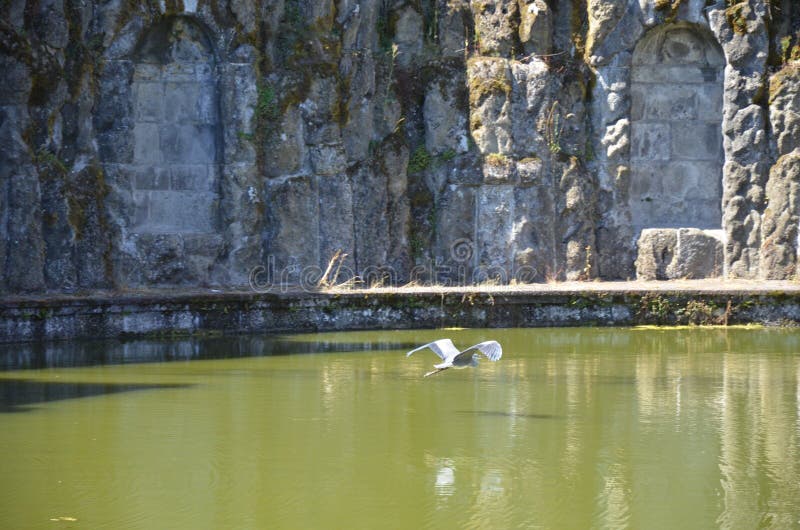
453	358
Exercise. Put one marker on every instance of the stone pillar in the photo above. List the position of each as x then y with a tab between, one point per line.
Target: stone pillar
779	228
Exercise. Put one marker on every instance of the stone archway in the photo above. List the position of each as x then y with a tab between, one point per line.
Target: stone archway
676	136
160	135
675	193
175	124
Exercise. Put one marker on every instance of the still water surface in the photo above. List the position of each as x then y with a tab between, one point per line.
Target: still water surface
573	428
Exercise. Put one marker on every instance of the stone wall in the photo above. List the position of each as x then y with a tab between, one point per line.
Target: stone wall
195	143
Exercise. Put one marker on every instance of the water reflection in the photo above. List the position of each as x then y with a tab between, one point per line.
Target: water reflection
21	356
445	478
17	395
574	428
511	415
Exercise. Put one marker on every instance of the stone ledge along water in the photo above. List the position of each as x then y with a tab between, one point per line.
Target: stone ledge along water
178	313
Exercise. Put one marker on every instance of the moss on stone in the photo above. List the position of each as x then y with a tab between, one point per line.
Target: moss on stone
49	164
497	160
420	160
777	79
736	13
579	22
669	8
88	188
482	87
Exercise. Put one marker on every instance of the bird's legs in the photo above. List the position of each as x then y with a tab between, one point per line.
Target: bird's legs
436	371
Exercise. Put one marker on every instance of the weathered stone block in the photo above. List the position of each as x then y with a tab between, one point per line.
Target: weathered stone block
287	154
114	111
147	72
179	72
531	234
192	178
647	179
536	27
187	144
683	253
182	211
408	35
656	250
328	159
670	102
147	144
604	17
531	97
237	102
322	102
16	85
700	142
445	123
779	228
466	170
495	206
699	254
784	109
745	135
639	95
668	74
141	208
650	141
161	257
454	247
451	29
201	253
681	179
529	170
489	96
709	102
495	23
292	225
359	129
204	72
706	210
336	223
150	178
498	169
149	99
180	102
695	179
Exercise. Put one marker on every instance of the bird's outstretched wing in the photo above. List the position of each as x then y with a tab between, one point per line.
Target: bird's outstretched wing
491	349
444	348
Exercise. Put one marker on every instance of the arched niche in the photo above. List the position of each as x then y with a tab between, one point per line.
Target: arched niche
676	129
175	117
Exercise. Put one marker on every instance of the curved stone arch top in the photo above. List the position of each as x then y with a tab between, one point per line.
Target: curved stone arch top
176	130
171	105
676	129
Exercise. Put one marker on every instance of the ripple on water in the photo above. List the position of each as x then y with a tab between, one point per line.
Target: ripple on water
562	433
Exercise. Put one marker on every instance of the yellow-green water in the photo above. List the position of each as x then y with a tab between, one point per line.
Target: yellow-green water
572	428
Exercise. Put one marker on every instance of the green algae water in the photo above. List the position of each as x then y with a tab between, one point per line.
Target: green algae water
572	428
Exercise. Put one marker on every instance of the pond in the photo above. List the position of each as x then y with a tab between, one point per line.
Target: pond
572	428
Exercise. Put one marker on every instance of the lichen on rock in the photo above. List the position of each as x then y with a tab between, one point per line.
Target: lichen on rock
189	143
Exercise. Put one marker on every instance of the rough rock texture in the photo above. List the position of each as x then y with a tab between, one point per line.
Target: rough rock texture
197	143
684	253
779	227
